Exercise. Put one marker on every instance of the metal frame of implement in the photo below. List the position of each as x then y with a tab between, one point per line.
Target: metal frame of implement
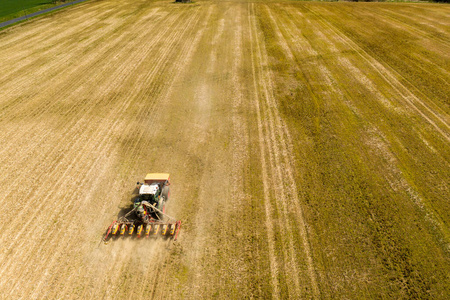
152	227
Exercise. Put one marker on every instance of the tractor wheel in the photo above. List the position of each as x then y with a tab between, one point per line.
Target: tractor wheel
162	207
166	193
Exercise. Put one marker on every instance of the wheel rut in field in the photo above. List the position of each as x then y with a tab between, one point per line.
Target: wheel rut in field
278	161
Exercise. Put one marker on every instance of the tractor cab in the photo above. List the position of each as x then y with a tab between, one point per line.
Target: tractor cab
149	193
155	191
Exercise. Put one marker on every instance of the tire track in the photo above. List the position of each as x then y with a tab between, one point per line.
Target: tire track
240	156
274	268
275	132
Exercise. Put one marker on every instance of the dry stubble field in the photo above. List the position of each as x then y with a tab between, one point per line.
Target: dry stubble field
308	145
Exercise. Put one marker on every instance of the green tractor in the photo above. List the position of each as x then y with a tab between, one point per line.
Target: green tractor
148	216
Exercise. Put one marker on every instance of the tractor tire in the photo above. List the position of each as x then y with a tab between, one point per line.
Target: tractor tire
162	207
165	193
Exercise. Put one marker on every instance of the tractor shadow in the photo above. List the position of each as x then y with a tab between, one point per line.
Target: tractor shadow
123	210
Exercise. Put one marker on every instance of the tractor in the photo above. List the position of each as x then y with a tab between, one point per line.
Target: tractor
148	216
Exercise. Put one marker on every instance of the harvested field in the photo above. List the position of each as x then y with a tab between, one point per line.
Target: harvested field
308	146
